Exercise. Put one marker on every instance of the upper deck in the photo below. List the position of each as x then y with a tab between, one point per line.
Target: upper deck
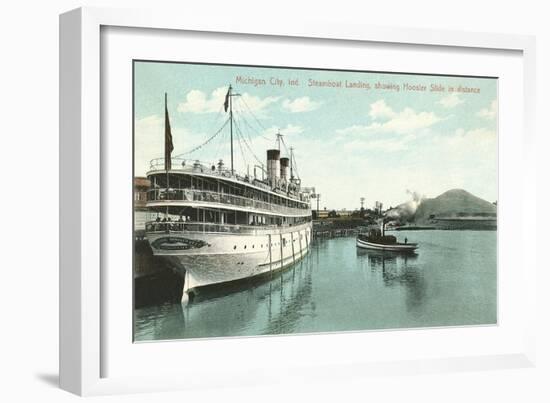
216	179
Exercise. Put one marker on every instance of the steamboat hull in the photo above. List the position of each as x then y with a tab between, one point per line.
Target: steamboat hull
210	259
398	247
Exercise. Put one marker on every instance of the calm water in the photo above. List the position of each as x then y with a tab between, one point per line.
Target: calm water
450	281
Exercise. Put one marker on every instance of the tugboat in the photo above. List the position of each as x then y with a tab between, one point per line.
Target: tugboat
376	239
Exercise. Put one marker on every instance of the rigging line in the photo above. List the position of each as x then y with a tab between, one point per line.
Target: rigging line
242	117
248	145
245	120
218	115
255	130
205	143
295	166
239	131
265	137
254	116
219	145
239	135
284	145
202	154
214	122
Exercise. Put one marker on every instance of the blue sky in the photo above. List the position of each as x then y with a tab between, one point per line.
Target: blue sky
349	142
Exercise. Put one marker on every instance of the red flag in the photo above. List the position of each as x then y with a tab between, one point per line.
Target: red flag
168	145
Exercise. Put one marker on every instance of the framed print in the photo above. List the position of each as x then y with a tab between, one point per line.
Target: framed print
242	200
239	218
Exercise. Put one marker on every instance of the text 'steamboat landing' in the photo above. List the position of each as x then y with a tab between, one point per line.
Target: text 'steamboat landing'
219	226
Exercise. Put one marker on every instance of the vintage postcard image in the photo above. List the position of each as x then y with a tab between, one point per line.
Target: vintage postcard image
273	200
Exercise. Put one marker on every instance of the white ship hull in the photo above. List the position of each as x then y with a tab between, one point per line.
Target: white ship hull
207	258
411	247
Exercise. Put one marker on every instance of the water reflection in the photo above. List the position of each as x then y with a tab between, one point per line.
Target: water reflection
266	306
398	269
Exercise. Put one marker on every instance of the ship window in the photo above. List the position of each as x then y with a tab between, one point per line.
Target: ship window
235	247
245	246
252	246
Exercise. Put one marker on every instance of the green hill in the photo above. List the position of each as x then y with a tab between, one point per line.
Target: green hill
455	203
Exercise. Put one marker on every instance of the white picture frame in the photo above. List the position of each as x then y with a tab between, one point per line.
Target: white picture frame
82	343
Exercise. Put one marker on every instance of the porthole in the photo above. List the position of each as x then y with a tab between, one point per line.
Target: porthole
245	246
235	247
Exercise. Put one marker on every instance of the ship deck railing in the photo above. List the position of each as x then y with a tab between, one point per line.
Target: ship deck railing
212	169
193	195
204	227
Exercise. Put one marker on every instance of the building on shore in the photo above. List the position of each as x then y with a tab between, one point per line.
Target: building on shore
322	213
141	187
344	213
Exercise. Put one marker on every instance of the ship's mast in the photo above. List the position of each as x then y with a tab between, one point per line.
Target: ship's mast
229	100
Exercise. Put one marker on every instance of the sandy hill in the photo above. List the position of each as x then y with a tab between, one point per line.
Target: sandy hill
454	203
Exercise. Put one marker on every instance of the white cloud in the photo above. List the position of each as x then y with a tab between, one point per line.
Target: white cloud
380	110
197	101
490	112
474	138
406	121
400	129
403	122
451	100
149	141
302	104
257	104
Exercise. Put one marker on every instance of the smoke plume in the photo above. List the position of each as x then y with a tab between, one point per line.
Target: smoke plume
406	211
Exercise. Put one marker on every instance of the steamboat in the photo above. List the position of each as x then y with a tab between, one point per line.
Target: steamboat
215	226
376	239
